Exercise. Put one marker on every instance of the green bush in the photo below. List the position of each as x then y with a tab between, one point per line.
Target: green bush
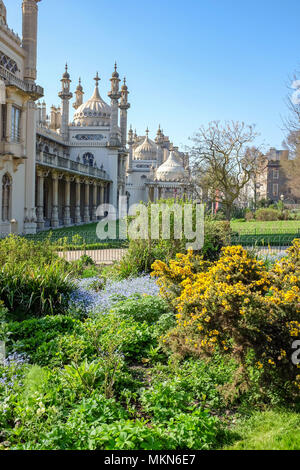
142	254
142	309
134	339
33	279
34	289
271	214
39	338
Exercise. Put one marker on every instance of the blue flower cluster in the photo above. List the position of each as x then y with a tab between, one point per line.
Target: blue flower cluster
102	301
12	363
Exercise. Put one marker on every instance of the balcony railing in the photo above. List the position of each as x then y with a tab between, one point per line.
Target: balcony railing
62	163
11	80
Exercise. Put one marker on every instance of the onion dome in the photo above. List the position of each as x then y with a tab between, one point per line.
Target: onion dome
147	150
66	75
79	86
171	170
95	112
115	73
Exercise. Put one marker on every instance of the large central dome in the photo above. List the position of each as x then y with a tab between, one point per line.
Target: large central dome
95	112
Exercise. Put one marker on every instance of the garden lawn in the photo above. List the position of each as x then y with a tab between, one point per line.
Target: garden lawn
269	430
269	228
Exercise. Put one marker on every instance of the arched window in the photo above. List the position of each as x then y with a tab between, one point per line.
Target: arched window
88	159
6	197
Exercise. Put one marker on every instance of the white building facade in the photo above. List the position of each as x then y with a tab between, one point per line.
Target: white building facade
18	94
55	170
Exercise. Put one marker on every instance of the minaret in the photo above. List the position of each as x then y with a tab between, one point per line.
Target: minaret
65	95
79	95
124	106
29	42
114	96
159	141
130	153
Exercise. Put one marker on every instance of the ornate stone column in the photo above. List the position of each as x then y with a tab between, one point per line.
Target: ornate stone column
67	216
86	217
77	206
54	214
95	191
40	200
8	121
102	193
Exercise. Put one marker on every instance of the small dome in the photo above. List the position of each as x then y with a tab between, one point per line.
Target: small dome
79	86
171	170
95	108
147	150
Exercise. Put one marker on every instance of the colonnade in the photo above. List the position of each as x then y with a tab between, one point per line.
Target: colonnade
64	199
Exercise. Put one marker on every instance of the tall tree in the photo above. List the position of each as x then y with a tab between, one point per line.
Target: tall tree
222	164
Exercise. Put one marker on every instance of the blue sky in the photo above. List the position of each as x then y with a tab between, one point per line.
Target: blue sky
186	62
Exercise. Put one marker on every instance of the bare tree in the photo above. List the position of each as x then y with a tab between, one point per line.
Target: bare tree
222	164
291	122
291	165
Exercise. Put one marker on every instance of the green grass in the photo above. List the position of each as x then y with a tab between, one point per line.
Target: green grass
269	430
63	237
258	227
256	233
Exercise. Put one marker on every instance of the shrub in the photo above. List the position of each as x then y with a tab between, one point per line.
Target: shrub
142	309
33	279
237	306
142	253
39	338
36	290
110	333
271	214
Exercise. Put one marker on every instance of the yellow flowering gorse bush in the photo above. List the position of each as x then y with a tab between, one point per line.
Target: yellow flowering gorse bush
235	305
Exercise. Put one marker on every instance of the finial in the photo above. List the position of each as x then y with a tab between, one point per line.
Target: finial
116	66
97	79
124	81
66	74
147	131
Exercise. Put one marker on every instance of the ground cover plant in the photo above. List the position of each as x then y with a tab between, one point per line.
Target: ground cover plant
137	363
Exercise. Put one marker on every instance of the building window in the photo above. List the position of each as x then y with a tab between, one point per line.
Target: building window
6	197
275	189
15	124
88	159
275	174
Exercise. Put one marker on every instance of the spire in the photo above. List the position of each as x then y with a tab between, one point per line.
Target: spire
79	95
130	135
66	74
115	73
147	133
97	79
65	96
79	86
